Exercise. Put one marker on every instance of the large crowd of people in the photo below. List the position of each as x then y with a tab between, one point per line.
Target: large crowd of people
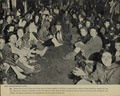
89	30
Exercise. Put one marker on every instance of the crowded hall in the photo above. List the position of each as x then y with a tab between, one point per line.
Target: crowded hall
75	42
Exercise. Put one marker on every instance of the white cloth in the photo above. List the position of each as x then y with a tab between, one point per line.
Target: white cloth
56	43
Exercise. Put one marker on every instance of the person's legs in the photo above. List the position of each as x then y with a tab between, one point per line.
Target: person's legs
72	54
56	43
42	52
25	62
26	69
19	75
48	43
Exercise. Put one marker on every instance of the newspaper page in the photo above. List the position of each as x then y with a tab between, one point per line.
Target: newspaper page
59	47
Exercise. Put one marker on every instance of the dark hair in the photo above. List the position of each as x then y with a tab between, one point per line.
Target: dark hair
36	14
7	28
107	20
94	28
7	17
117	40
118	22
87	20
9	35
24	20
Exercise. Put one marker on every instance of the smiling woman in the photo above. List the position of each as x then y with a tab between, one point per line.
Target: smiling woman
107	72
107	59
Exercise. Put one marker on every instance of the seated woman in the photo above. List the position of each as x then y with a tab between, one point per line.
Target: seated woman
83	39
8	29
92	46
56	37
106	72
75	33
43	34
20	43
16	58
32	38
105	33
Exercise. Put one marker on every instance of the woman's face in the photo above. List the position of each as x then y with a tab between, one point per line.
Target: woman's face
1	21
107	59
74	16
83	32
11	28
107	24
118	26
9	19
80	26
20	33
36	18
93	32
117	46
2	43
80	18
88	24
13	39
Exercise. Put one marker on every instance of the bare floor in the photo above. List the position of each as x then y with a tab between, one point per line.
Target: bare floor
54	69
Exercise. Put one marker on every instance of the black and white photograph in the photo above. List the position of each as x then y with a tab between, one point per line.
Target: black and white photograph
60	42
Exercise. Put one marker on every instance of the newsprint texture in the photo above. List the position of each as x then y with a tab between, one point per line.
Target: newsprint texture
59	47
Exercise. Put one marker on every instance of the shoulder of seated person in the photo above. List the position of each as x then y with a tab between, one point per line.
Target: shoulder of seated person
7	46
99	65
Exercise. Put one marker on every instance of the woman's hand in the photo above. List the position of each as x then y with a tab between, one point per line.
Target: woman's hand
78	72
